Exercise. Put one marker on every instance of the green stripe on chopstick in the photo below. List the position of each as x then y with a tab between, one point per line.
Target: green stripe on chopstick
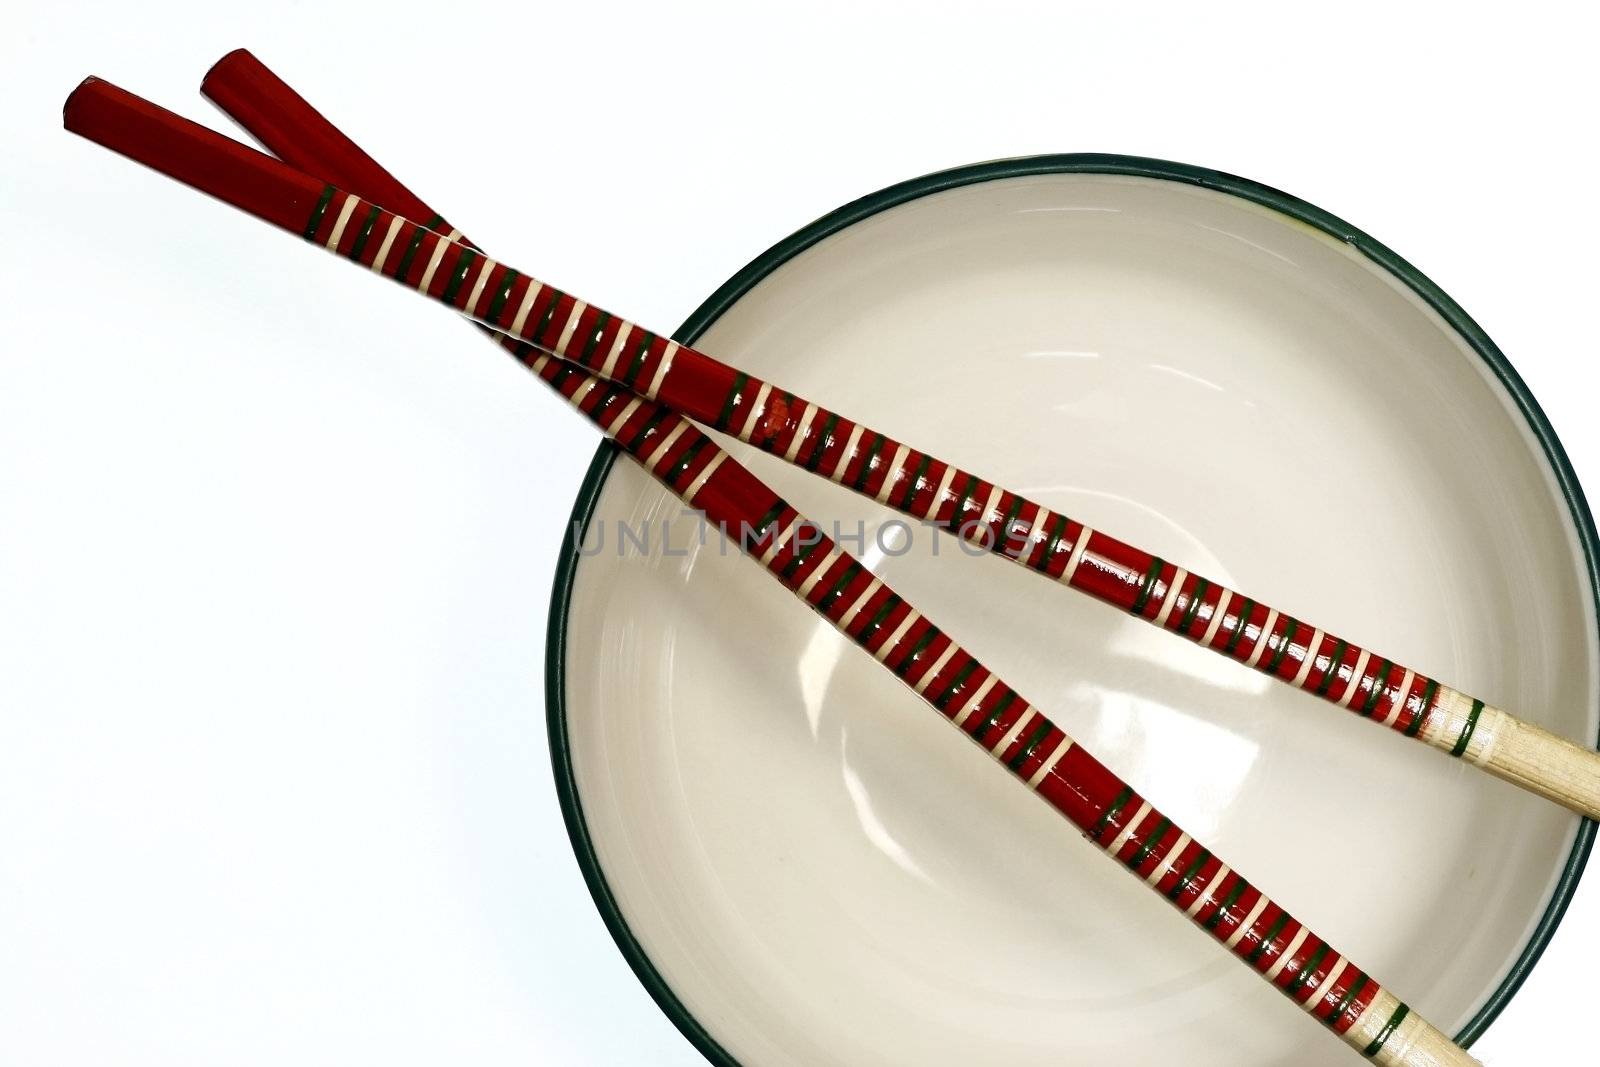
1289	632
770	517
459	275
566	371
1307	969
1428	693
998	710
1333	666
545	319
961	502
1034	741
1465	739
850	574
1120	802
404	268
1192	609
688	458
497	305
594	336
800	557
1150	842
739	381
823	440
1240	627
1361	982
1226	904
360	243
317	212
955	683
916	479
866	464
1011	517
1188	876
1147	586
877	620
1057	530
1271	935
917	649
661	415
1380	682
646	339
1387	1032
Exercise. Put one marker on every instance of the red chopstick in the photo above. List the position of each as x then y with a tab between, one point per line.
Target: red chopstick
811	565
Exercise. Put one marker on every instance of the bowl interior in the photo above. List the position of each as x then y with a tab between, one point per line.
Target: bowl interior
822	871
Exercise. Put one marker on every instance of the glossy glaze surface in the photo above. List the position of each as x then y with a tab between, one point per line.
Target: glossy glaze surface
809	898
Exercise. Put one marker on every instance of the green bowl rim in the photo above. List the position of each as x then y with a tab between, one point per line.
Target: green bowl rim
857	210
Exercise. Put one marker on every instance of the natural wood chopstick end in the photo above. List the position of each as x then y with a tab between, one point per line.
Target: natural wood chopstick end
1390	1034
1551	766
1431	1048
1516	751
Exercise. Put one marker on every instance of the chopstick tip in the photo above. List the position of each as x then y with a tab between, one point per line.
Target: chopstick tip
235	58
84	89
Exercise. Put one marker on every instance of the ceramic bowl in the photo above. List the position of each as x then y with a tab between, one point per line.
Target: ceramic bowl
807	866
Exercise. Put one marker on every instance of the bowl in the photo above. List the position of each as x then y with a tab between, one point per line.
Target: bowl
805	865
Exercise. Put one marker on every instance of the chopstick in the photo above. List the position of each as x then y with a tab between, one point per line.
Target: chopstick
861	606
918	484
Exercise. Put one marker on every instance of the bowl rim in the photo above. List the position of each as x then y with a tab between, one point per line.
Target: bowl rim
892	196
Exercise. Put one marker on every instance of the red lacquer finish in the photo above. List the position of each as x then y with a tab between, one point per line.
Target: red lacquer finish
214	164
1105	808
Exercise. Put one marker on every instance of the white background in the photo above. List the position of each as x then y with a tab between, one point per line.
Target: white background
276	542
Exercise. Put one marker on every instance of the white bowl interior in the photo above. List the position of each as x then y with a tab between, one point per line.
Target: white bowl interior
825	872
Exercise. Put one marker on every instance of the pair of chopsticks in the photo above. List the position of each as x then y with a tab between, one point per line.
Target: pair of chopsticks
563	340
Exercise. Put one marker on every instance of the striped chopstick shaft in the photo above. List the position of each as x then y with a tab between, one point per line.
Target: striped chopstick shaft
1016	733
